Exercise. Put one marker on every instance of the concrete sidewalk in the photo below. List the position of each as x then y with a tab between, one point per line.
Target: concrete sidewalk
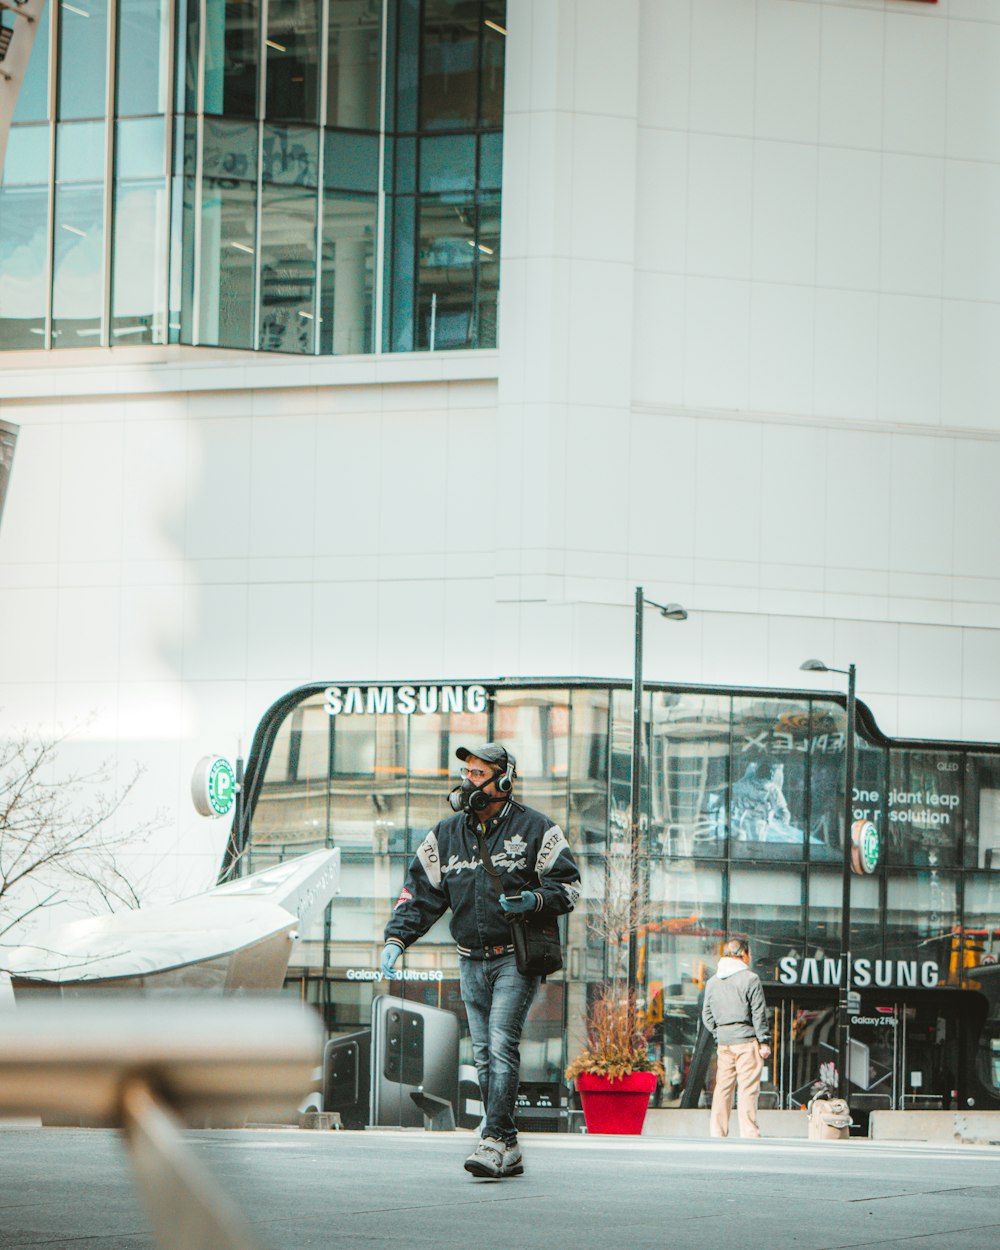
64	1188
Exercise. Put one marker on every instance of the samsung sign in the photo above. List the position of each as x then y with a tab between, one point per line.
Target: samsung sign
407	700
883	973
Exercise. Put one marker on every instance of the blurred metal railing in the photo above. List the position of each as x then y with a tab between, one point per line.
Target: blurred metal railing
151	1067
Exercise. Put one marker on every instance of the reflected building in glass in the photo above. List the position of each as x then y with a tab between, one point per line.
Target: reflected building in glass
741	833
318	178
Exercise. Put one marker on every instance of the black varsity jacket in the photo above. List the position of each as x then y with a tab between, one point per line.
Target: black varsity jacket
528	850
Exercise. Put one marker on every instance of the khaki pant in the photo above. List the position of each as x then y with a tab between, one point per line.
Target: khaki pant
740	1066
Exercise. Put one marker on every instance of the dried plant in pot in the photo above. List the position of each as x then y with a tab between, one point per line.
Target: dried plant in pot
613	1073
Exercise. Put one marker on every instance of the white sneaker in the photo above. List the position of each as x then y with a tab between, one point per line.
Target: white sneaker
487	1159
513	1163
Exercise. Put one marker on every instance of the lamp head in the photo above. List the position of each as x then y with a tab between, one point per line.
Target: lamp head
814	666
674	612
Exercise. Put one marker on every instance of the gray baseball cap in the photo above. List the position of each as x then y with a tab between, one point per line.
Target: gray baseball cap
489	753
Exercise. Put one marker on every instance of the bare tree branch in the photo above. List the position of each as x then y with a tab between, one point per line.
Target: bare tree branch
63	834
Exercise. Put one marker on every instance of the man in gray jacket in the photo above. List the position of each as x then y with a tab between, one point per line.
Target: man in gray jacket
735	1013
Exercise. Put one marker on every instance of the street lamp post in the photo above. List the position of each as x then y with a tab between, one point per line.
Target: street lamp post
843	1028
672	612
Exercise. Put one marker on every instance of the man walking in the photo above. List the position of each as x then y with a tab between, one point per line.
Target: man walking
735	1013
538	874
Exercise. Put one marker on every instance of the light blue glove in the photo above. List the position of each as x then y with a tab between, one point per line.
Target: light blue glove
527	902
390	953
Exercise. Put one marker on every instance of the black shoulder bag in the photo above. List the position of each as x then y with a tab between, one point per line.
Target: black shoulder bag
534	936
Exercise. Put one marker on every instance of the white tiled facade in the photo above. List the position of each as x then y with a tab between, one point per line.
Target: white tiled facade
750	315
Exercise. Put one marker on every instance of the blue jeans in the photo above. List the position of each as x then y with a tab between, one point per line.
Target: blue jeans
497	998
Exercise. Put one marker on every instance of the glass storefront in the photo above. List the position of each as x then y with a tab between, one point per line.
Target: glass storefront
317	177
741	833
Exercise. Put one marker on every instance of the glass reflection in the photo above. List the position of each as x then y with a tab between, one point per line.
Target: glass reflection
982	786
142	57
681	943
766	906
979	951
689	761
921	917
83	53
449	85
139	271
925	808
768	813
288	270
355	55
347	279
139	261
446	275
292	46
588	770
33	97
27	159
228	234
24	212
232	31
78	247
494	15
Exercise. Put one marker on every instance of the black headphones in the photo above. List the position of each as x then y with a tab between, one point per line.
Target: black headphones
505	781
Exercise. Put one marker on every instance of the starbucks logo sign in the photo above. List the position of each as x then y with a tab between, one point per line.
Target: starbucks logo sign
867	847
213	786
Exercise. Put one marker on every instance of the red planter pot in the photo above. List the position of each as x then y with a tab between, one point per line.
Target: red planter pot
615	1106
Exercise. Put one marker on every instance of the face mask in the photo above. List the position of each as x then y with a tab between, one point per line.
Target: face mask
469	798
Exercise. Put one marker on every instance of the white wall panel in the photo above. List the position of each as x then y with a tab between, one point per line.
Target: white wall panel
282	485
846	347
971	246
604	79
215	632
29	534
977	512
151	633
981	666
973	91
89	633
279	629
597	470
722	66
851	70
848	229
90	519
662	486
658	338
720	191
912	250
784	212
661	195
602	190
599	349
216	509
730	477
923	505
909	378
858	500
344	639
665	62
782	347
29	628
347	484
786	100
916	84
717	343
793	494
932	658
